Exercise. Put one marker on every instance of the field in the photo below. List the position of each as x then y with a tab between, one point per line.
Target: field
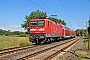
12	41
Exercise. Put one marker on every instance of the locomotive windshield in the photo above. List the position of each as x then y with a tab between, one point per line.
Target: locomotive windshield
37	23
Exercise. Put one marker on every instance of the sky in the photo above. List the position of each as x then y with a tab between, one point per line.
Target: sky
74	12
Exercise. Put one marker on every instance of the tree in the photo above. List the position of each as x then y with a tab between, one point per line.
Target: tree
33	15
1	32
89	31
89	27
36	15
89	22
81	32
57	20
63	22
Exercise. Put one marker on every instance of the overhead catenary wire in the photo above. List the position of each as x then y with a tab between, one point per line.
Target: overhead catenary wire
67	10
39	6
70	9
73	14
48	6
52	9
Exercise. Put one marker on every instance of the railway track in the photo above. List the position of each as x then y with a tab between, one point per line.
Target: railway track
13	50
49	53
31	52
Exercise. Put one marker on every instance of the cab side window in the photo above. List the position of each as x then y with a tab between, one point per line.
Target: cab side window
48	23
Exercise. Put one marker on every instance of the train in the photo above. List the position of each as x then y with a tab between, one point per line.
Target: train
44	30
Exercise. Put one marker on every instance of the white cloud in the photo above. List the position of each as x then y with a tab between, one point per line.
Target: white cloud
12	28
2	28
17	26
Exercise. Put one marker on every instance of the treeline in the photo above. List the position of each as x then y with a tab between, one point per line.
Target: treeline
81	32
14	33
57	20
37	14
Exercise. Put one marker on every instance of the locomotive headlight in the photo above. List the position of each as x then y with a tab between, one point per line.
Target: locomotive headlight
43	32
41	37
30	36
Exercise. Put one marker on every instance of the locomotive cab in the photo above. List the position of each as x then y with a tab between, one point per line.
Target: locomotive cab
37	30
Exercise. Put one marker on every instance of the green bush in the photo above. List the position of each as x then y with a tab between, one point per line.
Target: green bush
85	40
23	44
1	48
80	56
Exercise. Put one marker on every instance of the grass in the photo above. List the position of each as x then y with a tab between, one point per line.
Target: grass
58	57
80	56
12	41
85	44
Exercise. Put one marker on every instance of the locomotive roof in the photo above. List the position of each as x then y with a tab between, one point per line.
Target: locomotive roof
67	28
63	26
36	19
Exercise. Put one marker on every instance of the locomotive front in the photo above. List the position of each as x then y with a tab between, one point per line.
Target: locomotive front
36	29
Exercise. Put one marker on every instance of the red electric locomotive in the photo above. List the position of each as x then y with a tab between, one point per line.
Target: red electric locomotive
45	30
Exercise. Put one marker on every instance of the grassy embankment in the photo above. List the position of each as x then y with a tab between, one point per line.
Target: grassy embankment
85	50
12	41
85	44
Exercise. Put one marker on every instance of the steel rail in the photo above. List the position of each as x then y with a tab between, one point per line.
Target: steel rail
15	49
58	52
42	51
